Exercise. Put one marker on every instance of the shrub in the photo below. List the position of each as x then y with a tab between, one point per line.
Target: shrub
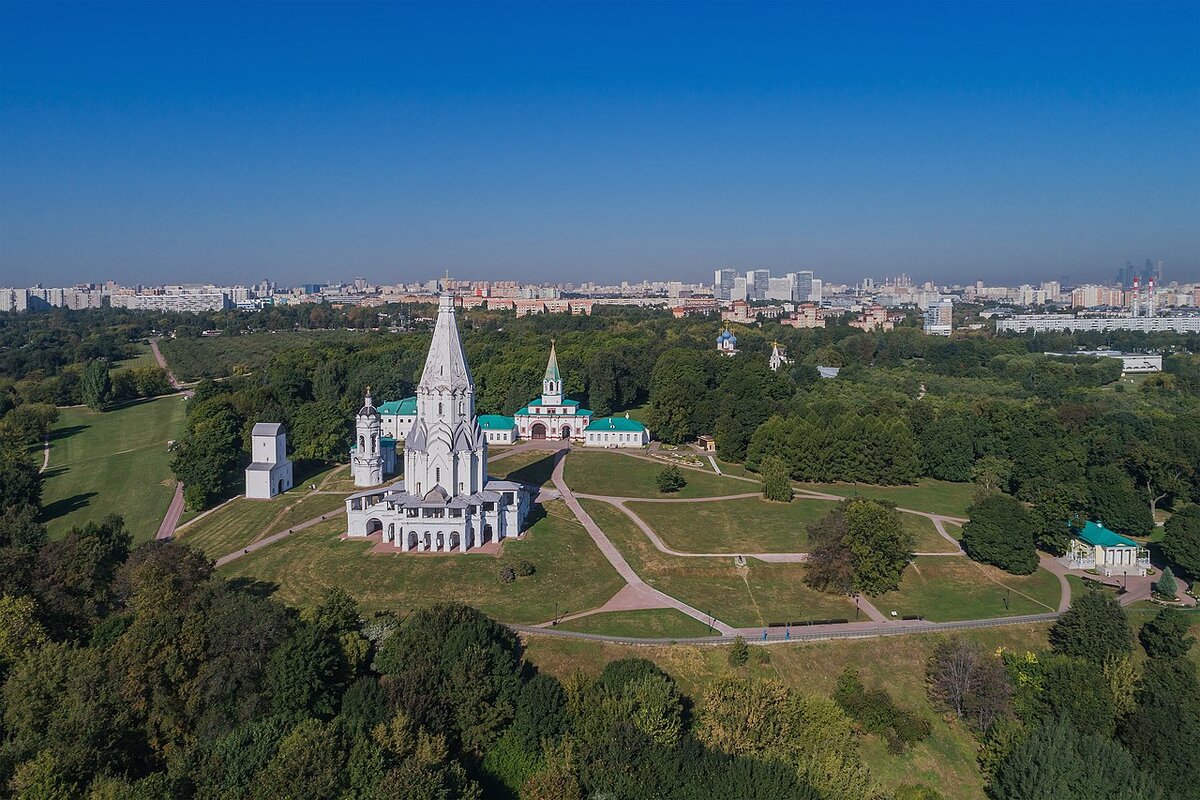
1166	585
739	652
507	574
525	568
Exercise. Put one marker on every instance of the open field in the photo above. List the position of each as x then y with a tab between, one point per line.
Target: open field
954	587
753	595
748	525
570	570
117	460
233	525
925	535
144	358
929	495
946	760
650	622
618	475
530	466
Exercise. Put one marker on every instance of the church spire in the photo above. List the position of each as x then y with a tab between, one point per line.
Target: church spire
446	364
552	394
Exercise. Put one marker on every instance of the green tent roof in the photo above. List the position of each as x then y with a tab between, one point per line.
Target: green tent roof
552	366
1095	534
616	424
402	408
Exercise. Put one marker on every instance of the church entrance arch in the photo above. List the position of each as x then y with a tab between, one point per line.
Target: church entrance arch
537	431
566	432
374	526
487	534
412	540
280	489
455	542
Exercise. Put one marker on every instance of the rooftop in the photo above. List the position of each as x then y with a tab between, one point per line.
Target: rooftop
495	422
616	424
1096	534
403	408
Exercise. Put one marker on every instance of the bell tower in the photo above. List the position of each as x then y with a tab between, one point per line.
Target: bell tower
552	391
366	463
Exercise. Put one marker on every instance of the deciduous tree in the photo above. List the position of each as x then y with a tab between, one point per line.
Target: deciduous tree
1002	533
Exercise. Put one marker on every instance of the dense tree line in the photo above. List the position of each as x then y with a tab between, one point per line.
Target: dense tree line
141	673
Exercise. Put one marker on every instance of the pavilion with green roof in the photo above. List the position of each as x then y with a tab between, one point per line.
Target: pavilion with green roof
1095	547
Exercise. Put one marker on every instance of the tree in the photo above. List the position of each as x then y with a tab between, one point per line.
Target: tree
1181	539
992	473
1095	628
73	576
1166	585
19	527
859	546
20	485
94	386
1057	761
209	457
1115	502
151	381
320	432
306	675
776	483
1166	635
1002	533
20	630
123	386
670	480
972	684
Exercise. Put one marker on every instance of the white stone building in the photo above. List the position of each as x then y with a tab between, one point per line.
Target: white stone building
271	472
778	357
616	432
445	502
552	416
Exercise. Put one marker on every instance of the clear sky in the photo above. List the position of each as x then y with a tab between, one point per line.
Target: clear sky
166	142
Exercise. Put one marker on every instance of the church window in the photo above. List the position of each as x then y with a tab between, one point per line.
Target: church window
362	442
438	472
439	408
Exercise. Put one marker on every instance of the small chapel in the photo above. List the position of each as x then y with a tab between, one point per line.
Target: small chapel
445	502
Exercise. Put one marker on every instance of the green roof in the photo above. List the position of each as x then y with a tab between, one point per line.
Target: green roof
401	408
552	366
616	424
1094	533
565	402
496	422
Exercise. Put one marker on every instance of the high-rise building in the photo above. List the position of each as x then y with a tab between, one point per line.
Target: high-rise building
939	317
723	284
782	289
758	283
804	285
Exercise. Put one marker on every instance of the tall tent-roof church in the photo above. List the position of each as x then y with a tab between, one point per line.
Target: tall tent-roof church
445	501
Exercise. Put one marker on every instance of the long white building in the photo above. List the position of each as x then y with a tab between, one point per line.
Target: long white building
1068	322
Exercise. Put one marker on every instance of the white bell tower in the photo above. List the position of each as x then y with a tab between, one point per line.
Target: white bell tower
366	462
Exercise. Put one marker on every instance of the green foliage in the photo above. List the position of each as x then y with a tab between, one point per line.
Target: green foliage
321	432
1166	635
859	547
1057	761
1161	732
1095	628
776	485
1166	585
739	652
94	386
20	485
1115	502
877	713
1181	539
208	459
1002	533
306	674
670	480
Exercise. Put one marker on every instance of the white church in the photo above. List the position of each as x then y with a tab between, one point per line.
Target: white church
445	502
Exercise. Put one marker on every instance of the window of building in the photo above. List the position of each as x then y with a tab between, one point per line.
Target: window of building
438	473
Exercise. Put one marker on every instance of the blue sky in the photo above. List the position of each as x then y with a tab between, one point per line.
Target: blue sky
166	141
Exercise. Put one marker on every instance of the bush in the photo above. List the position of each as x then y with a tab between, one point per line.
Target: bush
877	713
670	480
776	480
739	652
1166	585
507	574
525	568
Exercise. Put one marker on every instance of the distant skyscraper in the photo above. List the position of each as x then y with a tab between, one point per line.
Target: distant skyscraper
723	284
804	286
758	283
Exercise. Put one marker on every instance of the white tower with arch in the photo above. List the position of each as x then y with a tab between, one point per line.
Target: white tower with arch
366	463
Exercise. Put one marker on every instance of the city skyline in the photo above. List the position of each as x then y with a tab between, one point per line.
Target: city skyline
1007	143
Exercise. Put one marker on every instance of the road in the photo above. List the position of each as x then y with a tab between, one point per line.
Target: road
166	530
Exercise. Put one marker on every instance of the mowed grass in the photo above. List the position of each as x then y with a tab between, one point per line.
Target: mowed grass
112	461
529	466
946	760
747	525
570	570
617	475
757	594
928	495
144	358
945	588
649	623
925	536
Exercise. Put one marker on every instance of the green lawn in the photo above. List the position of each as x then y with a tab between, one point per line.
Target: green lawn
747	596
647	623
929	495
944	588
748	525
619	475
108	461
928	540
234	525
144	358
570	571
529	466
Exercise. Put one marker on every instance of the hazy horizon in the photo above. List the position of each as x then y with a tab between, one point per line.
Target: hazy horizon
1013	143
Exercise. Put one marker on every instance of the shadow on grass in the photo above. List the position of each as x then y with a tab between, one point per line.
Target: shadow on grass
537	473
253	586
536	514
65	432
66	505
304	470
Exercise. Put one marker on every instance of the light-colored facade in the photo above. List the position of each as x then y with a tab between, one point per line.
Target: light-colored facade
1109	553
397	417
727	343
552	416
616	432
446	502
498	429
270	473
778	357
1021	323
939	317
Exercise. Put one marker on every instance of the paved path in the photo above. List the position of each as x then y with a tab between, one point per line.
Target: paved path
162	362
167	529
618	561
45	453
